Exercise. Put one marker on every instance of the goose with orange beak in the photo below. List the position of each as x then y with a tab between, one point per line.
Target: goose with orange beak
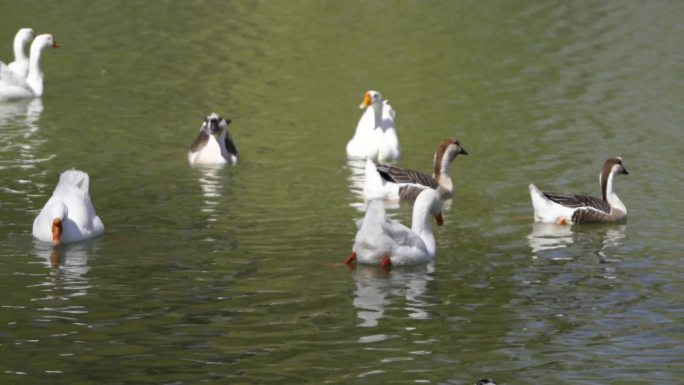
14	86
69	215
376	136
385	242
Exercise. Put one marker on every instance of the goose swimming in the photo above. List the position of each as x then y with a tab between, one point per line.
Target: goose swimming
560	208
213	145
69	215
13	86
405	184
381	240
376	135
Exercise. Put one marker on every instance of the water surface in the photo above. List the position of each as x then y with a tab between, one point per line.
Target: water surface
234	274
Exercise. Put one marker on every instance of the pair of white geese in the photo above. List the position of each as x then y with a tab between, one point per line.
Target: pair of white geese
383	241
23	78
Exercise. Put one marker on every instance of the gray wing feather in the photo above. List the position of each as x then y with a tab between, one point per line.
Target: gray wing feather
410	192
404	175
590	215
578	201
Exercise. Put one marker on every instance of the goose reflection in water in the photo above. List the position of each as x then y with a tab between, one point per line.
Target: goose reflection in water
69	267
552	239
377	290
19	123
212	184
549	236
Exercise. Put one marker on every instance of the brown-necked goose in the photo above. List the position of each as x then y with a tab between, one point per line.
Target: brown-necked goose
558	208
392	182
214	144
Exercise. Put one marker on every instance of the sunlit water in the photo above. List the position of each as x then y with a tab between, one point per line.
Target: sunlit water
235	274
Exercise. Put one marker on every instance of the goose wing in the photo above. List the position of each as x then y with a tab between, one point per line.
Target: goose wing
402	175
401	234
590	215
578	201
200	142
230	145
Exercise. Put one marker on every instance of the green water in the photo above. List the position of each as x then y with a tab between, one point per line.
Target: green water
234	275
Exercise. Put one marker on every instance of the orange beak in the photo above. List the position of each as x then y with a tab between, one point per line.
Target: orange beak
55	44
440	220
56	231
366	101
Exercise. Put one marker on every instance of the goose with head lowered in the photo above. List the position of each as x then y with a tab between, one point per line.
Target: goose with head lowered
13	86
376	135
396	183
386	242
69	215
550	207
20	64
214	145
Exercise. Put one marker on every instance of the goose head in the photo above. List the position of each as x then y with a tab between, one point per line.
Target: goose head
371	98
58	213
485	381
615	166
214	124
612	166
42	42
451	148
22	37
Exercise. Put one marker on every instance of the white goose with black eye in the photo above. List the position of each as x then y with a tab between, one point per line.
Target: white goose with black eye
561	208
213	145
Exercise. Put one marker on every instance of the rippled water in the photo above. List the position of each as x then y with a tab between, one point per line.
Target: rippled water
235	275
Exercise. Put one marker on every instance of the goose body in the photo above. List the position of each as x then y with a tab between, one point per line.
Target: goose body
376	135
393	182
69	215
383	241
13	86
213	145
20	64
550	207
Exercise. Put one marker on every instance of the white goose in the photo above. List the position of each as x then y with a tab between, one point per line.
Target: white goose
558	208
213	145
20	64
396	183
68	216
13	86
375	135
381	240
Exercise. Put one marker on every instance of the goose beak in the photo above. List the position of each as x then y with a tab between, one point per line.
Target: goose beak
366	101
624	170
463	151
55	44
440	220
56	232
